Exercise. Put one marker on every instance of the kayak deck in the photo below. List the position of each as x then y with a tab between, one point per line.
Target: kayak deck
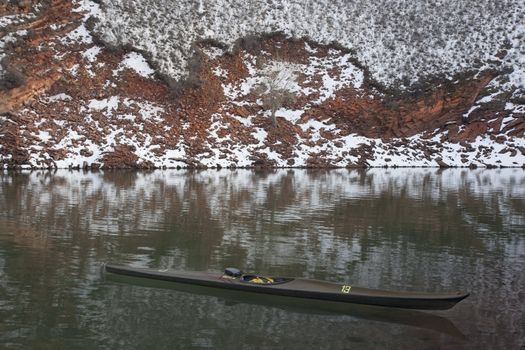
302	288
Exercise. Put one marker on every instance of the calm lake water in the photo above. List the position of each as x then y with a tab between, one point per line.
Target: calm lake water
403	229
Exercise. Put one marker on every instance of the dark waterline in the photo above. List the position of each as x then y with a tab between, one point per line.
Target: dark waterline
406	229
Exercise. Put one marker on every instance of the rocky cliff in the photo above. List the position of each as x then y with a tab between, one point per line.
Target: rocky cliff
72	98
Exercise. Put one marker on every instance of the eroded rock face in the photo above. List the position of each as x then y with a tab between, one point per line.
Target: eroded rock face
403	117
15	155
86	105
121	156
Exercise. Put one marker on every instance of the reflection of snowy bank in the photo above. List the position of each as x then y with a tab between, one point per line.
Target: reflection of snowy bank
307	189
243	206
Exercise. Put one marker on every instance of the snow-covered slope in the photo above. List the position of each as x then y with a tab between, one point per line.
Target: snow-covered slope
398	40
91	103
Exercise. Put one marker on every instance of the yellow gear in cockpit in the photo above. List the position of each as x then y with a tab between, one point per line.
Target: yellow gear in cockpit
262	280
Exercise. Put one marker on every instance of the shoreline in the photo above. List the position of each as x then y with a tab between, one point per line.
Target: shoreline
91	169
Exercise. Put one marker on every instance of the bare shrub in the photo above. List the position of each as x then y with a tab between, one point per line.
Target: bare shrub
275	87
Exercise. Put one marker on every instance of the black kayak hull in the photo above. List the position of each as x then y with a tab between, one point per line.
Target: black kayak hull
303	288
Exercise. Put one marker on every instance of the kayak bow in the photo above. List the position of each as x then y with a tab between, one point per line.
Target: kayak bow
299	288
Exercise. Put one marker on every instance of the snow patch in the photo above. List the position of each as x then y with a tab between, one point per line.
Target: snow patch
59	97
136	62
514	107
91	53
78	36
109	104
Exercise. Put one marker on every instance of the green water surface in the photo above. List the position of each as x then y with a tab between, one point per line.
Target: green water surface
400	229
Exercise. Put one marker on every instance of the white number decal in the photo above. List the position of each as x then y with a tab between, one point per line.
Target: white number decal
346	289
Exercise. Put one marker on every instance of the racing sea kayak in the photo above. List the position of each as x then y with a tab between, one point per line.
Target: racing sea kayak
298	287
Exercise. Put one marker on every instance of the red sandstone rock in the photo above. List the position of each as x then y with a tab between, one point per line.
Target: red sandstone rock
122	156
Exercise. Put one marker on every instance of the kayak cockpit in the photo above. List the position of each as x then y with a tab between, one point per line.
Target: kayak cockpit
236	274
257	279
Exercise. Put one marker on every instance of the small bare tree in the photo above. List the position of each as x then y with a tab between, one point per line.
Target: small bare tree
275	87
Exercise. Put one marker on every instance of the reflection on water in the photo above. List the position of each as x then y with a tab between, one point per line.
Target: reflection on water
408	229
233	298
